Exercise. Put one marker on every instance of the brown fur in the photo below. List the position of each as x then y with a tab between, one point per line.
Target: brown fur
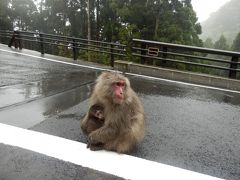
124	122
95	119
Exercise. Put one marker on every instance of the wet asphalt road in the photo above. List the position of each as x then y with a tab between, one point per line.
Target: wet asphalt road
188	127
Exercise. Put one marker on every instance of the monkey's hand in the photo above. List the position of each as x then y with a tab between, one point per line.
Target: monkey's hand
94	144
93	139
95	147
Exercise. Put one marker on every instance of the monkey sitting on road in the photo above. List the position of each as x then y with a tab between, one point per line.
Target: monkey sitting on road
95	119
124	122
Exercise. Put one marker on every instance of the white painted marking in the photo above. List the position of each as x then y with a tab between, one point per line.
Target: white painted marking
132	74
120	165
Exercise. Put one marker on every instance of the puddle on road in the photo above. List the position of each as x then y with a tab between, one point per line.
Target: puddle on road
32	113
50	85
15	94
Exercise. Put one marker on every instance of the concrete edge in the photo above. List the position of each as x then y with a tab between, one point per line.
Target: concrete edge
188	77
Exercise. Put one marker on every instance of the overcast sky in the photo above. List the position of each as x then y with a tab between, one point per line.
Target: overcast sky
204	8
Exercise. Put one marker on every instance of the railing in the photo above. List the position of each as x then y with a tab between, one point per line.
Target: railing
166	54
76	44
181	57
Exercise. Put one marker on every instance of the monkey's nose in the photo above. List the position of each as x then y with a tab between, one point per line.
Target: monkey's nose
121	91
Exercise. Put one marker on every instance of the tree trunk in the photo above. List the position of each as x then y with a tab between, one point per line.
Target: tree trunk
89	28
156	26
98	23
41	16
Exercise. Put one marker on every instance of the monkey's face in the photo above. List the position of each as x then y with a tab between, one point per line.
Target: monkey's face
98	114
118	91
112	87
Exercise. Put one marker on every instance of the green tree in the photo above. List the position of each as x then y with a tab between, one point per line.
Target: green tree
65	17
236	43
5	15
162	20
221	43
208	43
22	12
110	22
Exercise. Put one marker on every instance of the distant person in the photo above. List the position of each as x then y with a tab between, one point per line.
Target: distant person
16	39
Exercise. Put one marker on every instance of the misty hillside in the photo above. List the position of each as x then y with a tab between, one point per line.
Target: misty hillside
225	21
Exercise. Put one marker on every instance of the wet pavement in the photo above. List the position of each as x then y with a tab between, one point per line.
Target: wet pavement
31	88
189	127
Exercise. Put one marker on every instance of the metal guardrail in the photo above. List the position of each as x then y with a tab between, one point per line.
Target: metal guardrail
146	51
188	55
76	44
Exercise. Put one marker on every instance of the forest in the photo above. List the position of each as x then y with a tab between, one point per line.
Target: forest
171	21
221	30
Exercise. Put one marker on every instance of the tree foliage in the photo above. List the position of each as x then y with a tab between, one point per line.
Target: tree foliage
236	43
208	43
225	20
5	15
221	43
111	20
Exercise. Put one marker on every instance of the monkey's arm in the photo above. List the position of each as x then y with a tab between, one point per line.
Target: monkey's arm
83	123
138	126
104	134
137	119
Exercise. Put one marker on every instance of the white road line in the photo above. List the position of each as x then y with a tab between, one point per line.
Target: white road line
132	74
120	165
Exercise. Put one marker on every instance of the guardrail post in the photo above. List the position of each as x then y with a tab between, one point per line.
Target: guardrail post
41	43
19	38
233	66
164	55
143	52
112	55
74	48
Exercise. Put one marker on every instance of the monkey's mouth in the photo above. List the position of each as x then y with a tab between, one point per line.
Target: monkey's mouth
119	101
119	96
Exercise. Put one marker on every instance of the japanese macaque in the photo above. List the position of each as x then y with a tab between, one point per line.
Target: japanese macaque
94	118
124	123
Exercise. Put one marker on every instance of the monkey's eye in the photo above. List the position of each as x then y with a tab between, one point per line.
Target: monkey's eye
121	84
118	84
